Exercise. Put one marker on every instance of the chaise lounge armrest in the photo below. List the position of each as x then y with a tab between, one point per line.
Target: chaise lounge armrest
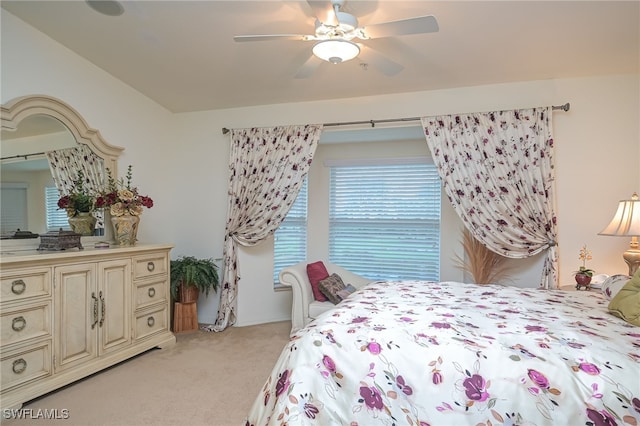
304	307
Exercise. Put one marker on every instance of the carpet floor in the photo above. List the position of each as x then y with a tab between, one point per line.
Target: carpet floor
204	379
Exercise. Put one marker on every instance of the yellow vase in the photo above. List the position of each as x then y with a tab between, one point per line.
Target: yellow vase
125	229
83	223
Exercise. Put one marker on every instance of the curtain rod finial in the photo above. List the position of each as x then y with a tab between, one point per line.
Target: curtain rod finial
225	130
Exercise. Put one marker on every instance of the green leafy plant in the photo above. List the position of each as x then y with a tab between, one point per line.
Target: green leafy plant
190	271
585	255
79	199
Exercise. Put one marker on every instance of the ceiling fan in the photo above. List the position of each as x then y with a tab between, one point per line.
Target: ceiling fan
337	37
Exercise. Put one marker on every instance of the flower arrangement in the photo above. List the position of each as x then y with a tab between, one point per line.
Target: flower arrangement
123	198
80	199
585	255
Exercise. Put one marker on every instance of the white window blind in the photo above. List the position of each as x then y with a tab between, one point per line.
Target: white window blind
384	220
56	218
13	207
290	239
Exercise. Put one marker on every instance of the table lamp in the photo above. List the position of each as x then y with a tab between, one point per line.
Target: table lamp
626	223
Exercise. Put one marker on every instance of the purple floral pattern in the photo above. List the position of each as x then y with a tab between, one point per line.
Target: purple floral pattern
498	173
267	169
427	353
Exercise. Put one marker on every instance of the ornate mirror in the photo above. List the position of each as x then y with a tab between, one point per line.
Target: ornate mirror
33	126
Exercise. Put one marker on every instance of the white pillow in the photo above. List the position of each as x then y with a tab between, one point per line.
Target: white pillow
597	280
612	285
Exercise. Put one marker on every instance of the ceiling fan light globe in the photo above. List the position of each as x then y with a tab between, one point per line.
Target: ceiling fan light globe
336	51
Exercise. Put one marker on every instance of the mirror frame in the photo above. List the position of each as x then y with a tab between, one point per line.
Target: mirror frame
18	109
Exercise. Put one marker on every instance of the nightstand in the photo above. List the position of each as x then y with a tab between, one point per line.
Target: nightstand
573	288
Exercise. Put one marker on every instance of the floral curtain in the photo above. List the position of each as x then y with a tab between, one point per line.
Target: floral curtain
498	174
267	169
65	165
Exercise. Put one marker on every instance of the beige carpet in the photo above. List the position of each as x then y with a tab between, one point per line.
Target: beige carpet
205	379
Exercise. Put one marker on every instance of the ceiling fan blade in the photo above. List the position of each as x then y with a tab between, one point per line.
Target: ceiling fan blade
379	61
267	37
324	11
418	25
309	67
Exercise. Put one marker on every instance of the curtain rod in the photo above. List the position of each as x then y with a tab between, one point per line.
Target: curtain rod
25	156
373	123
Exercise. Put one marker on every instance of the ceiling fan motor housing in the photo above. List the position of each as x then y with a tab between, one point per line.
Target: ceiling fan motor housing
347	22
346	28
337	36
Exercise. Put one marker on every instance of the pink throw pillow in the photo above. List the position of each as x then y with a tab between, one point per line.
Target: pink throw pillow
317	272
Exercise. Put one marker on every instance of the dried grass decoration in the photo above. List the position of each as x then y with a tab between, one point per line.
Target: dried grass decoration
484	265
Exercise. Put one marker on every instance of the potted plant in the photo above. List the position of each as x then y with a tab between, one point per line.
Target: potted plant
583	274
125	205
79	202
190	276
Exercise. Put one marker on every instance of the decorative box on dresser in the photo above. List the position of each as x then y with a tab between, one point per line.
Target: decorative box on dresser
65	315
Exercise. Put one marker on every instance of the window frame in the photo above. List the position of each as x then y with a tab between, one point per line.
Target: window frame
429	224
56	218
293	227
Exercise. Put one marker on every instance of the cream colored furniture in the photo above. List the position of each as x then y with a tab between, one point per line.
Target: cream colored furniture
304	308
26	133
66	315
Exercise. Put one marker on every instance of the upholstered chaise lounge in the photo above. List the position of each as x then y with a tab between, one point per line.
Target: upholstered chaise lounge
304	307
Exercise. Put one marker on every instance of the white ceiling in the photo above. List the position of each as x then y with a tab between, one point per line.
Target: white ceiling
182	53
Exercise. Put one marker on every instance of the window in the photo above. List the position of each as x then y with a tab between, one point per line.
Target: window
290	240
384	220
56	218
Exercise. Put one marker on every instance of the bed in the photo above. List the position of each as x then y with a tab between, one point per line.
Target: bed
425	353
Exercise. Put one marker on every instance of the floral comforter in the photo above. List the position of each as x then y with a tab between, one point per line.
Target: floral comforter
425	353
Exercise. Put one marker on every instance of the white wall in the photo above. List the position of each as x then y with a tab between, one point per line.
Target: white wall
36	180
32	63
181	160
597	147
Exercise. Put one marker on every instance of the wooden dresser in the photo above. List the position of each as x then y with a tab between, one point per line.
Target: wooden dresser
66	315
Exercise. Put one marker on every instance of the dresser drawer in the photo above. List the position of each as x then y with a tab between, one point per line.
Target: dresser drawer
152	321
25	284
150	266
25	365
150	292
23	323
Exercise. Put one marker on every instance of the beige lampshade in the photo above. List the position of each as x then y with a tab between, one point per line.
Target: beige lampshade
626	223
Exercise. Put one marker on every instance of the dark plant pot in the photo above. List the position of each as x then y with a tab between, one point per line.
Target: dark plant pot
188	293
582	280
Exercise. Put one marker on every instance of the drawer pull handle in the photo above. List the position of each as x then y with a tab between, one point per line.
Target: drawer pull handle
18	287
103	308
151	292
151	321
19	365
95	310
18	323
151	266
